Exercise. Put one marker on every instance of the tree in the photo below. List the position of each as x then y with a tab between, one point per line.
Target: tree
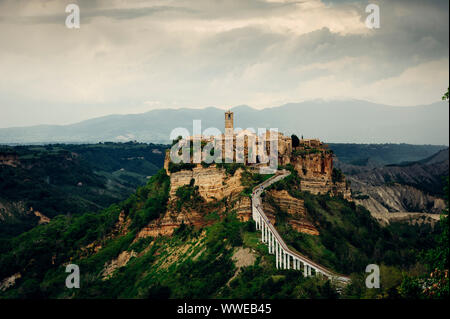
295	140
445	96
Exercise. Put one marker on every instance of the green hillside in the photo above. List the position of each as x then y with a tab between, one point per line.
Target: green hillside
222	260
71	179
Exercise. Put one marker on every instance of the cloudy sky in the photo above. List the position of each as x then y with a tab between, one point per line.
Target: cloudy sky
134	56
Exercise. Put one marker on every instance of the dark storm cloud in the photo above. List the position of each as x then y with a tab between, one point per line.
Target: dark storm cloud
135	55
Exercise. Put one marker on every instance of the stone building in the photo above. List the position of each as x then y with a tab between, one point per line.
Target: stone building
312	159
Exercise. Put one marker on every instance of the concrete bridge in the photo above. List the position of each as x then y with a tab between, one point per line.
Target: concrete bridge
285	258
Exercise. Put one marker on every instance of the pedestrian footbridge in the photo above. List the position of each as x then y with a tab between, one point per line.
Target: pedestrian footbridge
285	258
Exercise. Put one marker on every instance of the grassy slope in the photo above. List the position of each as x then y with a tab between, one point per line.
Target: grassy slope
192	263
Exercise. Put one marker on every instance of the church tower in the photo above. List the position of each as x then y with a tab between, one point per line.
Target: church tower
229	128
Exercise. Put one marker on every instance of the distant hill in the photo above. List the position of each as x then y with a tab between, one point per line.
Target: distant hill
426	175
70	179
373	155
332	121
406	187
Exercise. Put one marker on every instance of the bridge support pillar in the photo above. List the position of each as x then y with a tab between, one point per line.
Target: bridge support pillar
262	232
279	255
276	255
266	233
273	243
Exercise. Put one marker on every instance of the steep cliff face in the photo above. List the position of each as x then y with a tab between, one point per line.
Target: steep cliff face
171	220
289	204
295	208
315	171
314	165
213	183
218	191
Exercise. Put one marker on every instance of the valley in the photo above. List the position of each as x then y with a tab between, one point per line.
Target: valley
172	229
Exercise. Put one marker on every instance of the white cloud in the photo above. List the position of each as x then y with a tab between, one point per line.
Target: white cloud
132	56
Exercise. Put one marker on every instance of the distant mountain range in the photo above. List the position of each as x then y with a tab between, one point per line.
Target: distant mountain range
332	121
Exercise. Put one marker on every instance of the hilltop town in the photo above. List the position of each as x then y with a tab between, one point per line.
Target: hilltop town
311	159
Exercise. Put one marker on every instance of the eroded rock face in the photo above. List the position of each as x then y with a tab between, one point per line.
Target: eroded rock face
407	217
315	171
398	198
114	264
42	218
166	225
294	207
213	183
314	165
243	207
323	185
286	202
9	281
304	226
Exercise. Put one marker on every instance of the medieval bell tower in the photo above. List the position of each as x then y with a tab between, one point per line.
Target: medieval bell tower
229	128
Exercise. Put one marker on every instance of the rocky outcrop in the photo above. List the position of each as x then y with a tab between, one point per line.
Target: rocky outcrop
9	281
315	171
287	203
397	198
426	175
411	187
303	226
213	183
116	263
166	225
298	218
314	165
323	185
243	208
42	218
406	217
